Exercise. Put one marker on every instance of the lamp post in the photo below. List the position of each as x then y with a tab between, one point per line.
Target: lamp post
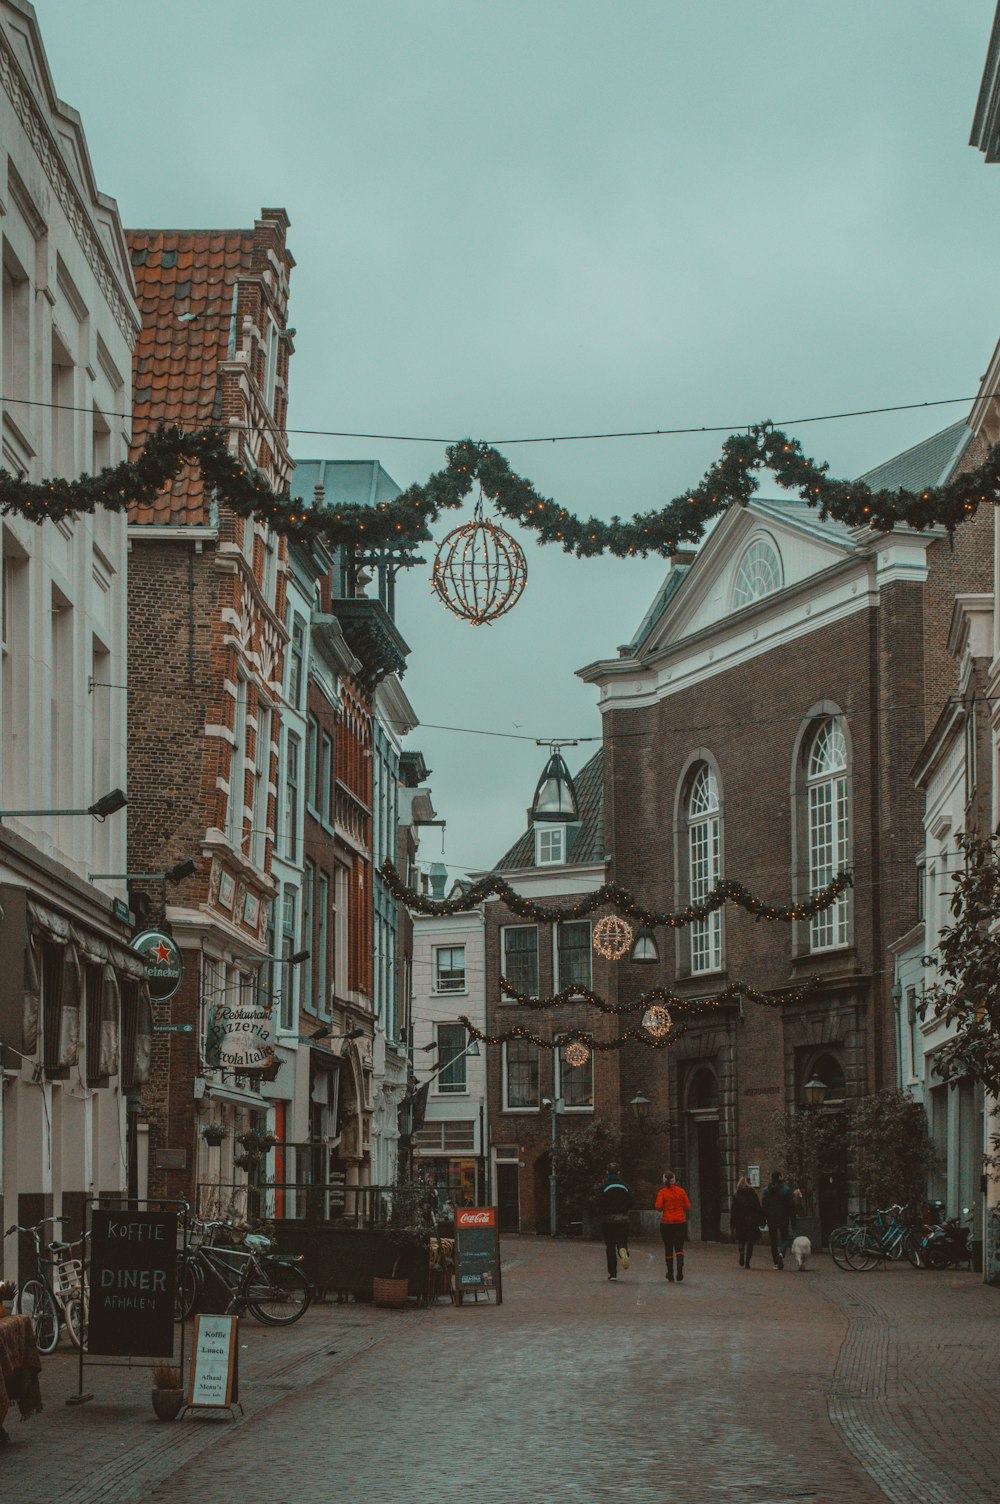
639	1107
814	1092
108	804
556	1105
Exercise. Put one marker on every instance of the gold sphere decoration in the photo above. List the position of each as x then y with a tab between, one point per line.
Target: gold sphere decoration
656	1020
479	572
577	1053
613	937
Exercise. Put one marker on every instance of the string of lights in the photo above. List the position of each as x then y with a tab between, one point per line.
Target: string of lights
567	1037
612	895
733	992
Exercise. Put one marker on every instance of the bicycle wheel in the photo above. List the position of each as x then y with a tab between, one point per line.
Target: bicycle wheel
913	1251
277	1294
35	1302
189	1283
860	1254
838	1241
74	1319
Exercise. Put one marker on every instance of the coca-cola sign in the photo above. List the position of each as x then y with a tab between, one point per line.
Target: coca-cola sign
475	1216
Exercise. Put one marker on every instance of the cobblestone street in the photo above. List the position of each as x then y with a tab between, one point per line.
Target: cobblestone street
753	1385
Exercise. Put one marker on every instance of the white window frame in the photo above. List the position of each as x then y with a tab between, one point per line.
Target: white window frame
504	931
462	988
704	857
828	835
561	1067
559	983
758	573
442	1088
555	854
506	1093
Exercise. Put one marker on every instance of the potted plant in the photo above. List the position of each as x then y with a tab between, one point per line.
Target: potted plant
214	1133
257	1144
409	1224
168	1396
245	1161
8	1293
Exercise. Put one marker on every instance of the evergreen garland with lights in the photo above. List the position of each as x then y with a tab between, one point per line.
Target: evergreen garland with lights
614	896
404	522
731	993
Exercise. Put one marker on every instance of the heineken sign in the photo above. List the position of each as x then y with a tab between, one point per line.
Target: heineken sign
162	959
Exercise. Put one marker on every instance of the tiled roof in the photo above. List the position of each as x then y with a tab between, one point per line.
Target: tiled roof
929	463
184	286
588	842
360	483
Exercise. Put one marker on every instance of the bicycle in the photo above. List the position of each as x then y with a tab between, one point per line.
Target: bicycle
57	1292
270	1286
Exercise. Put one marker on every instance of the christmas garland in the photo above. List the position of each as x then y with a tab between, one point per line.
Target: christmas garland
689	1005
613	896
569	1036
404	522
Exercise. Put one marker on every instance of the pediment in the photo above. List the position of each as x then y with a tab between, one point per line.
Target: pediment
780	543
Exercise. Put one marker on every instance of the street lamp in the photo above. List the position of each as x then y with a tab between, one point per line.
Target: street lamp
331	1038
645	951
813	1092
108	804
640	1106
175	874
556	1104
555	796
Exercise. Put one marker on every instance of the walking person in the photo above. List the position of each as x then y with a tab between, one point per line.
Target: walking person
673	1206
614	1201
779	1213
745	1216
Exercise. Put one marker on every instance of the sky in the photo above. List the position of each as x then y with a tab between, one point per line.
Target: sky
542	217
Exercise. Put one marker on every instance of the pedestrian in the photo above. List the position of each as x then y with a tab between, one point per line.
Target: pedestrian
673	1206
779	1214
744	1218
614	1201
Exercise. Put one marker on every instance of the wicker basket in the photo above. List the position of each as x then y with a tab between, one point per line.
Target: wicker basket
390	1293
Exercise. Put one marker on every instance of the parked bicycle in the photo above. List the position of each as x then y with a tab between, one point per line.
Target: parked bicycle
271	1286
947	1244
56	1296
867	1244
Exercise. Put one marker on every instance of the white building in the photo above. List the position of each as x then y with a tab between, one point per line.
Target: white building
74	1015
953	776
449	981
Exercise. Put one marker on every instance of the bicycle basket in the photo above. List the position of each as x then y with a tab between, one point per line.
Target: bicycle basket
67	1277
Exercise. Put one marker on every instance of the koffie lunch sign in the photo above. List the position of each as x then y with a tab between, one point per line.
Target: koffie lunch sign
163	963
133	1275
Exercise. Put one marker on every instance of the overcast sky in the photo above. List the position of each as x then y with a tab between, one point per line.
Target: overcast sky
533	217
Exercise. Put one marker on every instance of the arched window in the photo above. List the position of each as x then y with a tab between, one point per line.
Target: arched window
758	573
828	799
704	851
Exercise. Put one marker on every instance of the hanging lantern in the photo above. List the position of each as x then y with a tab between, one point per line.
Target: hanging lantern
479	571
576	1053
612	937
656	1020
645	951
555	796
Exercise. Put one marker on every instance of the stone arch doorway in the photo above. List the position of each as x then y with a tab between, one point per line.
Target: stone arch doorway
703	1157
827	1065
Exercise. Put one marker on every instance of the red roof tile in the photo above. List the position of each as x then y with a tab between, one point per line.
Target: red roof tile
176	361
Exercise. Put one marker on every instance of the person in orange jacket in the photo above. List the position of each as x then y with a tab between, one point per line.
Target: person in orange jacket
673	1206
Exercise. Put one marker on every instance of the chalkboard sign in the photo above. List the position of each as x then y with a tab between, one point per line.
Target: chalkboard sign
215	1377
477	1251
133	1275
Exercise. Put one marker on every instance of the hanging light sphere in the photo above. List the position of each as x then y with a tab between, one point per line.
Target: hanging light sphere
479	572
612	937
656	1020
577	1053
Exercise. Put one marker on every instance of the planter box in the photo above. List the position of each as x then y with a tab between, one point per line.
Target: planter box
348	1259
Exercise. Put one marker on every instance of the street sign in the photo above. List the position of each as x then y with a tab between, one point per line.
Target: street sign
162	959
173	1028
133	1273
215	1377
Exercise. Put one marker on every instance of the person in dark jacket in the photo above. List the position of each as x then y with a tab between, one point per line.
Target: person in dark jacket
745	1216
779	1213
614	1201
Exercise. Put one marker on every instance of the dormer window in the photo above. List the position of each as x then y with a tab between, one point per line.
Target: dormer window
758	573
550	845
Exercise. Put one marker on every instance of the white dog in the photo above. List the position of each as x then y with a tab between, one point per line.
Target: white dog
801	1249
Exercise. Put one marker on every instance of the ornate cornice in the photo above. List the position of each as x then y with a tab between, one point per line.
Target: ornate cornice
66	191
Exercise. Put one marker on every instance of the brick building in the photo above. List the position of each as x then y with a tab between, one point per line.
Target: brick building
533	1094
761	726
207	639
